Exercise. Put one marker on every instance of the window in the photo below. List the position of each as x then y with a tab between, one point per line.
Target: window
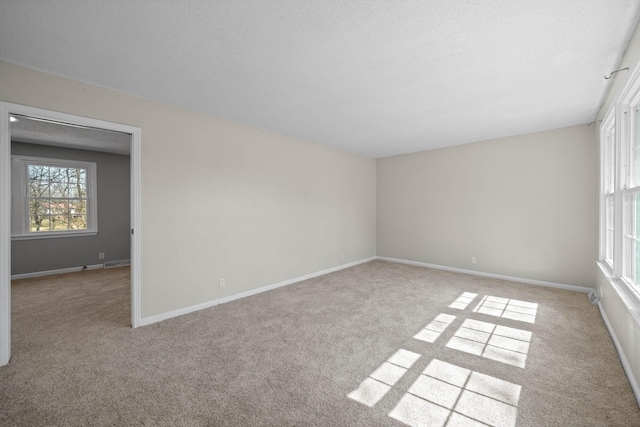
53	198
620	187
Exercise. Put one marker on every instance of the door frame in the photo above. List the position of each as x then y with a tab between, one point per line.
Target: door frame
5	209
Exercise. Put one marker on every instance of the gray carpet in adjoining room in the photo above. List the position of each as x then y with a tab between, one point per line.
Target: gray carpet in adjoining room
376	344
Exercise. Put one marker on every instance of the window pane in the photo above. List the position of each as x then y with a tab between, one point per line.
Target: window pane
38	181
77	191
38	207
609	163
635	151
631	264
74	175
57	174
77	207
59	189
39	215
39	223
38	172
59	207
609	228
59	222
78	222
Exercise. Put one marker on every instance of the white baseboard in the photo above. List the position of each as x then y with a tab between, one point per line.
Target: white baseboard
119	263
621	355
491	275
168	315
59	271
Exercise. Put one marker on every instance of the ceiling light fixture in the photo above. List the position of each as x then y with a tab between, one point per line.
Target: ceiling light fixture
13	119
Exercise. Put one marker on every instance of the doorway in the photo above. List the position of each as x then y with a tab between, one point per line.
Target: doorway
6	110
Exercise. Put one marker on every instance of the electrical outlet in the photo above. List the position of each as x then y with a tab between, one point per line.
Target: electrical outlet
101	255
342	255
223	282
473	260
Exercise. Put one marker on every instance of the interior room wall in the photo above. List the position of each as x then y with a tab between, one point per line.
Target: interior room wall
221	199
523	206
29	256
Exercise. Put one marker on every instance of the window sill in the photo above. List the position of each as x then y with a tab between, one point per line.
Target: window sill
628	294
55	235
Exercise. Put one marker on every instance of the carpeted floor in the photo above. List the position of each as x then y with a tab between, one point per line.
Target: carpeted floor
376	344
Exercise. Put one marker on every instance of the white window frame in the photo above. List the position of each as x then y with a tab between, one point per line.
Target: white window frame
608	185
20	213
621	123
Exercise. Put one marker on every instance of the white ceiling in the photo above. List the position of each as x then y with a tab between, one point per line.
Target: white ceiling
373	77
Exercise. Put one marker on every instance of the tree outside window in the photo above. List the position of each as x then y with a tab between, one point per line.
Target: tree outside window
57	198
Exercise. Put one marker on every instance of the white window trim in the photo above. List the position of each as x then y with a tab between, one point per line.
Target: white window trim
619	118
607	126
20	223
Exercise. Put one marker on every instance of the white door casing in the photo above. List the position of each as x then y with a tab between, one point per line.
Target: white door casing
5	210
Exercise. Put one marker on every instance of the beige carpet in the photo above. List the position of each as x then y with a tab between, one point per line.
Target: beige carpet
377	344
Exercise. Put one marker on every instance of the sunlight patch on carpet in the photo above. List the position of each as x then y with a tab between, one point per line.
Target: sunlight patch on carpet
435	328
507	308
463	301
376	386
495	342
449	395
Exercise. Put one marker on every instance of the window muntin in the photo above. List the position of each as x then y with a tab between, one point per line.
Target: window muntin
53	198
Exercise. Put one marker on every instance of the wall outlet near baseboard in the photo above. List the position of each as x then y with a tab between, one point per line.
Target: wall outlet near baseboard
101	255
473	260
223	282
342	255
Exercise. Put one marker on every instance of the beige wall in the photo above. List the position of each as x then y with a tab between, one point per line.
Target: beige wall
220	199
524	206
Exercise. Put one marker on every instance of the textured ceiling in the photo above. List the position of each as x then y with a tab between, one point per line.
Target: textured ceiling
372	77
